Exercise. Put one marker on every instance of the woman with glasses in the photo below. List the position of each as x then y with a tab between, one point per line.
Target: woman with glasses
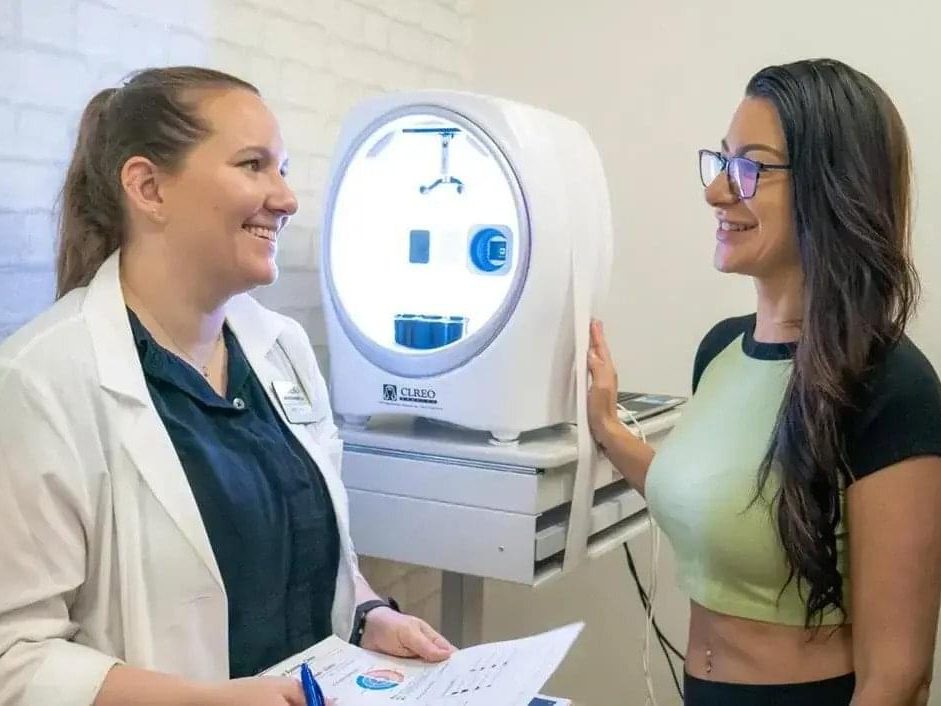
801	491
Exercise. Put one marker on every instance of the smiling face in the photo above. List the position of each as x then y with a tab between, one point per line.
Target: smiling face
228	201
755	236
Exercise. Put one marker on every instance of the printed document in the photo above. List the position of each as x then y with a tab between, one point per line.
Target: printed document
496	674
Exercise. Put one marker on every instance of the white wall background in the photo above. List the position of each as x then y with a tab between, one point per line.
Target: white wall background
654	82
312	59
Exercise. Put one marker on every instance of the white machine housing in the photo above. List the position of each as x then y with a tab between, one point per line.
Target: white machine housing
516	372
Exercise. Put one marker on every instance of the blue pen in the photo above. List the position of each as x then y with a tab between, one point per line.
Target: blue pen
312	693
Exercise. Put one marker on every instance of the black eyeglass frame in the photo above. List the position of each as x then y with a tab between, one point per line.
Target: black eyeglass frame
724	163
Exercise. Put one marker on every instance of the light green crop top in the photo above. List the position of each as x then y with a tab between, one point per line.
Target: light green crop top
702	480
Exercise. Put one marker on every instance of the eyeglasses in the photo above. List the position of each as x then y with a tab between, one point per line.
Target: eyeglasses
742	172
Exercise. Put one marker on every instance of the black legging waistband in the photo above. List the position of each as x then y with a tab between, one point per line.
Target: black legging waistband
837	691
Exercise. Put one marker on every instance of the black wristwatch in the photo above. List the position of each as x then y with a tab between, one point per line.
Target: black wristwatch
362	610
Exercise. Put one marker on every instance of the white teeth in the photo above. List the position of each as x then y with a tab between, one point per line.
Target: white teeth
260	231
733	226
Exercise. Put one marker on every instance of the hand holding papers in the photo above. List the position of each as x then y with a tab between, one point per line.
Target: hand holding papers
497	674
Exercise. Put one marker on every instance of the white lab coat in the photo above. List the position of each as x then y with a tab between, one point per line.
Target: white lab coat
103	554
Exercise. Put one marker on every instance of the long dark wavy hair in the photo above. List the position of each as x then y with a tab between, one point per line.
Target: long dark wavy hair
851	178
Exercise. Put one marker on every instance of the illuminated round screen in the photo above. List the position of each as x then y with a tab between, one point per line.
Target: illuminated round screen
426	241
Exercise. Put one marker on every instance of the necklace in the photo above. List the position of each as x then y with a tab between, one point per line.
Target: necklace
203	369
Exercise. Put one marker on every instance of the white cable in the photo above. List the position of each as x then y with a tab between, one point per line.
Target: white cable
634	420
654	533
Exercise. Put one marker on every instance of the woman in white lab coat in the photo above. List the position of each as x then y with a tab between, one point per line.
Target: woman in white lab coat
171	510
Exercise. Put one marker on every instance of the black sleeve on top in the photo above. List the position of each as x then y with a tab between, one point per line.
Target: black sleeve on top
718	338
899	414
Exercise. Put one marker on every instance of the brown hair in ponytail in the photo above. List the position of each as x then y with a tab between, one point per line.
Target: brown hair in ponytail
154	115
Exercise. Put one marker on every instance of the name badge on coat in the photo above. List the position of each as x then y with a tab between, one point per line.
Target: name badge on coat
294	403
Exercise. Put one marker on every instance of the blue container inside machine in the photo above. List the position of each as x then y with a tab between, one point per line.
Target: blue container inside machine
427	332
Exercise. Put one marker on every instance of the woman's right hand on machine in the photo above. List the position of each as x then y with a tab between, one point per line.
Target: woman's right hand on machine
629	455
603	392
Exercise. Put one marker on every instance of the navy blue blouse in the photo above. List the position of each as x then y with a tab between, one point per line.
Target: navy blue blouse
263	501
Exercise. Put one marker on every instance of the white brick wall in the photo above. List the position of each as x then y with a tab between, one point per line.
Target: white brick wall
312	59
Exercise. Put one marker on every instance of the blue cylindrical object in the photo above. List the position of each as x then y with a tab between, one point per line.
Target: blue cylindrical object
404	324
427	332
455	328
421	334
437	331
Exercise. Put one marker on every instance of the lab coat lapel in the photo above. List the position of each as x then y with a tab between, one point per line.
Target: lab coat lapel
273	357
143	435
258	336
149	447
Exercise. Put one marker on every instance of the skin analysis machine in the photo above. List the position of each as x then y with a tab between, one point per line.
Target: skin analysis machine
466	244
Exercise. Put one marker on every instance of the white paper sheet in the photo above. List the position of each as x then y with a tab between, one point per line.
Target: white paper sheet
496	674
